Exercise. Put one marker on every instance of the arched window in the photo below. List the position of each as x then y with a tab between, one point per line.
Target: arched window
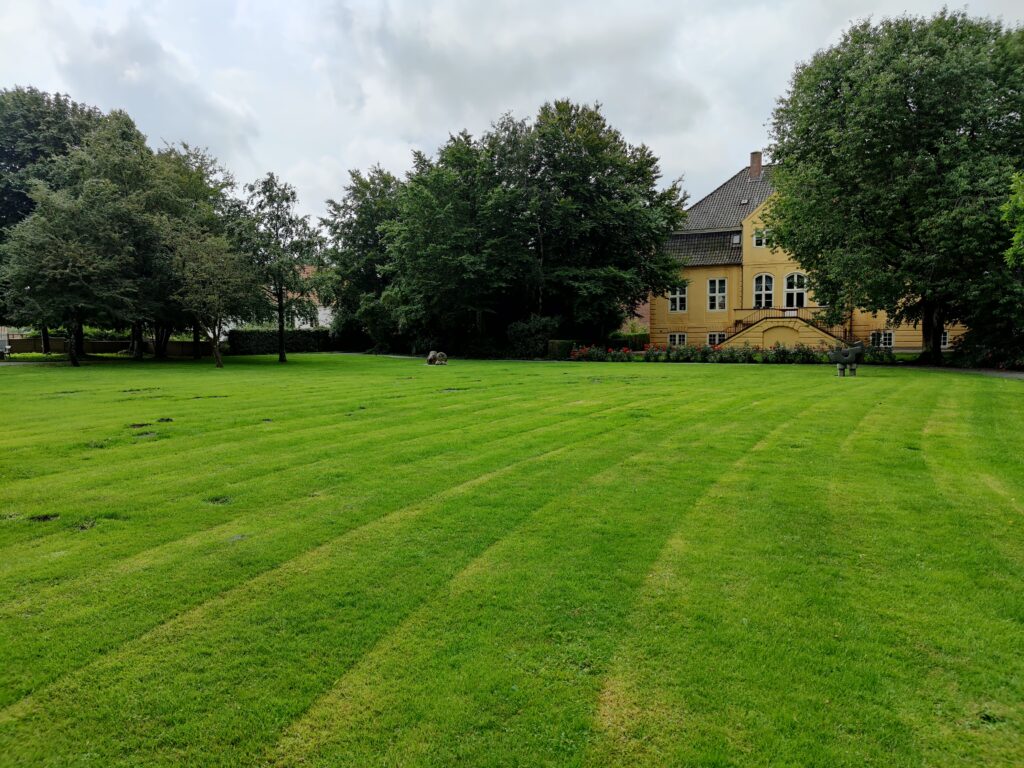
764	291
796	290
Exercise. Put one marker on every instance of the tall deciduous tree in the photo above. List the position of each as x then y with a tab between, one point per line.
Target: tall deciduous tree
69	260
80	255
283	245
35	128
216	285
1013	214
893	151
359	254
558	222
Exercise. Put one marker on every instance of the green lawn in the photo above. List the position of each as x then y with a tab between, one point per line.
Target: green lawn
359	561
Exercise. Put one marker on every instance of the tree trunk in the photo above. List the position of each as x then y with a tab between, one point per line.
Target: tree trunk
72	343
80	337
197	353
281	356
161	338
215	345
44	332
137	340
932	325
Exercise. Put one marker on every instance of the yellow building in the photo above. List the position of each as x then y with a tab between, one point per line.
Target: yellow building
739	290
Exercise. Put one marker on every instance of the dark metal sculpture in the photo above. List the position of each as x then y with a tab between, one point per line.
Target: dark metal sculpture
847	357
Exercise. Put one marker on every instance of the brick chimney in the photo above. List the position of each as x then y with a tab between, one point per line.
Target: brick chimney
755	166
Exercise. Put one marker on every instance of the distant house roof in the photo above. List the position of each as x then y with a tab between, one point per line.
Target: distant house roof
731	203
704	249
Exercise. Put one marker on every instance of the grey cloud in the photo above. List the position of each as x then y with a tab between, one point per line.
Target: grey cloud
128	67
443	66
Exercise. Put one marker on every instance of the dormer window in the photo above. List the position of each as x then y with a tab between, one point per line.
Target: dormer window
735	241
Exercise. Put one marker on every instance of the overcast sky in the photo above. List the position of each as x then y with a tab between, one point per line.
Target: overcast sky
311	88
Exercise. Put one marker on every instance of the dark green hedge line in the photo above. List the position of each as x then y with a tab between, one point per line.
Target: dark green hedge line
264	341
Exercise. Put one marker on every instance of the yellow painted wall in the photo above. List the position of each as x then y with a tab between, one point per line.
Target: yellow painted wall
764	260
782	331
697	321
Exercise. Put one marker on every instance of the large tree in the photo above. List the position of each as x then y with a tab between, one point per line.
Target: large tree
893	150
69	260
601	219
556	221
448	275
216	284
82	253
284	246
359	255
35	128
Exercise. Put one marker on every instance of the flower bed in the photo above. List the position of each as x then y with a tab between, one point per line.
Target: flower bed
800	354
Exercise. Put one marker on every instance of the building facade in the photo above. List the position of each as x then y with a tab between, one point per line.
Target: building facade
739	290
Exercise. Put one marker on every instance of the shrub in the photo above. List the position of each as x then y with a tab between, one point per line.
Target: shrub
777	354
263	341
634	341
560	349
529	338
593	354
879	356
653	353
622	355
804	354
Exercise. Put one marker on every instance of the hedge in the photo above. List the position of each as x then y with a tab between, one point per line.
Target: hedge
635	341
263	341
560	349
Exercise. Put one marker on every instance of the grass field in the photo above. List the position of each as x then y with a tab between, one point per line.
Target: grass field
357	561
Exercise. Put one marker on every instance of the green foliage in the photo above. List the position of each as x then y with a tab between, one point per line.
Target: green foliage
529	338
893	151
560	349
283	246
78	255
558	217
636	341
1013	214
35	128
879	356
358	254
263	341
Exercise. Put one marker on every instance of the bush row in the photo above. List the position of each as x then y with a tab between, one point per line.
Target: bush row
777	354
263	341
634	341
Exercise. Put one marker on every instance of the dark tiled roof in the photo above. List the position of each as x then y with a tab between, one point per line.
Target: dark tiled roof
704	249
724	208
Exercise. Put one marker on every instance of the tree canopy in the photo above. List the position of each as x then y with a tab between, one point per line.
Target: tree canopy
893	152
558	221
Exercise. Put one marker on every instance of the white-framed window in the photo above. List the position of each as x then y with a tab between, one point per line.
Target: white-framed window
737	240
945	339
677	299
716	294
677	339
761	238
764	291
796	290
714	339
881	339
